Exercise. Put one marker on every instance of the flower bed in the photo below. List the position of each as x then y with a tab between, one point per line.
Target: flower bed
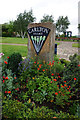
51	88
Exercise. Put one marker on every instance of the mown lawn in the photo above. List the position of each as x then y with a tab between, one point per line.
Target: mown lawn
14	40
76	45
9	49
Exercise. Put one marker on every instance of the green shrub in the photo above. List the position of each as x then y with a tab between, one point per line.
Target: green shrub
29	68
12	109
13	62
73	108
72	70
63	61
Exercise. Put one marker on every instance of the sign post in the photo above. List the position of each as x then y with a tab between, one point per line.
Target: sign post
41	40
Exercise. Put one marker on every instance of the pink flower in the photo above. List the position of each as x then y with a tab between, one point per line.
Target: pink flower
3	81
51	81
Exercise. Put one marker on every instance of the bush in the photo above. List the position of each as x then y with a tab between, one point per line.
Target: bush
12	109
53	84
13	62
72	70
31	68
63	61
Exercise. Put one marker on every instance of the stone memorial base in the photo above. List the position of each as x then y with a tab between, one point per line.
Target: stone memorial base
41	49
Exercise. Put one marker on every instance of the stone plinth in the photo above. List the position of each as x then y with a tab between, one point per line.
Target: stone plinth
41	41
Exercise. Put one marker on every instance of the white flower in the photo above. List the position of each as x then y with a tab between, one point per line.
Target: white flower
1	54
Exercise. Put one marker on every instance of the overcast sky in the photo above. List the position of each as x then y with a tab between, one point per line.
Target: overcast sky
9	9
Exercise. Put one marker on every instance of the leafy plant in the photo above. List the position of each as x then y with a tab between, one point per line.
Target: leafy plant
13	62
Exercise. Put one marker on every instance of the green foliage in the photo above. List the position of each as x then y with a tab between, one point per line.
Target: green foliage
72	70
12	109
47	18
62	24
40	83
45	89
7	29
63	61
23	19
44	81
13	62
73	108
79	26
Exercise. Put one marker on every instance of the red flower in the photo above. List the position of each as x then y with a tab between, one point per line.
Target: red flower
64	81
6	78
65	85
3	77
52	74
57	73
14	77
50	63
5	91
62	86
69	91
59	77
53	61
34	62
58	62
74	78
51	81
78	65
3	81
5	62
40	65
59	91
43	70
69	86
46	69
8	57
54	79
56	93
17	89
38	68
9	91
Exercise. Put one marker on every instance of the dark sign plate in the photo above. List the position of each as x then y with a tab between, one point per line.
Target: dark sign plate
38	36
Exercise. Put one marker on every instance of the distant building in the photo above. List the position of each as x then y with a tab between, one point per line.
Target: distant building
79	17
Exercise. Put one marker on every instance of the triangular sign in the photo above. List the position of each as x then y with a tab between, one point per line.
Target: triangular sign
38	36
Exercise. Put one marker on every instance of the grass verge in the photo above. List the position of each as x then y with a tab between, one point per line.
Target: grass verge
76	45
9	49
14	40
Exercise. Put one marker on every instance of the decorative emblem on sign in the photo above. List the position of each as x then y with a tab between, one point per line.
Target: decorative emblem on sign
38	36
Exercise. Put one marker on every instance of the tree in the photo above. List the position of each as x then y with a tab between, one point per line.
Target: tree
79	26
23	19
62	24
7	29
47	18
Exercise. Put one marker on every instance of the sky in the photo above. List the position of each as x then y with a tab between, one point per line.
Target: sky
9	9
